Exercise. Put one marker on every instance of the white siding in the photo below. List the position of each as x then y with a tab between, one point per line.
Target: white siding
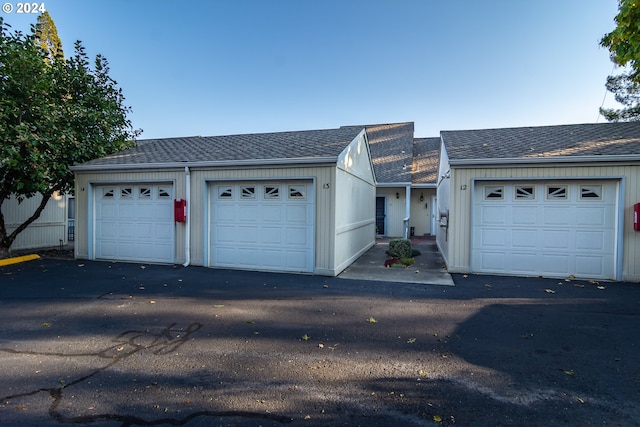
355	205
444	204
421	210
47	231
458	254
396	209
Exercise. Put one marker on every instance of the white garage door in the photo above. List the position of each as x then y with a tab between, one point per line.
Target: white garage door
554	229
134	222
262	226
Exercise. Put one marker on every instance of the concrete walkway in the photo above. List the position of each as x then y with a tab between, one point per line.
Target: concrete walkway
428	269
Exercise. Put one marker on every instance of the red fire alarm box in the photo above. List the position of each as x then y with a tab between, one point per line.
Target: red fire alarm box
636	217
180	210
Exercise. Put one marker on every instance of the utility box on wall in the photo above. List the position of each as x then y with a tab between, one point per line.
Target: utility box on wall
180	210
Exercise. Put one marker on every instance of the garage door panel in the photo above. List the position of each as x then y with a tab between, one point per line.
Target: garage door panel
548	231
590	266
523	238
296	214
225	234
272	213
556	215
249	213
555	239
524	216
558	263
247	234
272	235
494	215
271	230
225	213
593	215
494	261
524	262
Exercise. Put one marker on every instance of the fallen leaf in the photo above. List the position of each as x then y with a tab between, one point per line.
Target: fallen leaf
601	287
550	291
321	345
251	322
80	265
218	305
437	418
569	372
578	285
465	276
594	282
306	337
422	373
372	320
152	302
411	340
46	325
580	399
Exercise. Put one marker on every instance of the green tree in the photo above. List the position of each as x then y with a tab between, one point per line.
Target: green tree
47	37
624	45
53	114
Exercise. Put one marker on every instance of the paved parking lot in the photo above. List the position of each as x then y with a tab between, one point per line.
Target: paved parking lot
115	344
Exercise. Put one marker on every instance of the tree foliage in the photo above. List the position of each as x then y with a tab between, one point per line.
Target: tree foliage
624	41
54	113
624	45
47	37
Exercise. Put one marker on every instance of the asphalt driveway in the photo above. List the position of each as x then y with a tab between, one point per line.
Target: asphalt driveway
114	344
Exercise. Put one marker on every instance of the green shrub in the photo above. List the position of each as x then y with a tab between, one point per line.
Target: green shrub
400	248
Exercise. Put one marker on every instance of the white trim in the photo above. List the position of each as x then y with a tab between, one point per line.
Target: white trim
511	161
209	164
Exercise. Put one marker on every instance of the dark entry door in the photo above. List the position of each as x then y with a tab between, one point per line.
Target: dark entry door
380	214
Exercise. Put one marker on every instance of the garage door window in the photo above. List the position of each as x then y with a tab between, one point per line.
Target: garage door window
126	193
164	193
526	192
107	193
248	192
556	192
297	192
271	192
590	192
225	193
145	193
493	192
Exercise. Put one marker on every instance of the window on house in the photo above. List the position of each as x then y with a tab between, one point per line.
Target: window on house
296	191
248	192
225	193
126	193
494	192
525	192
271	192
164	193
557	192
590	192
107	193
144	193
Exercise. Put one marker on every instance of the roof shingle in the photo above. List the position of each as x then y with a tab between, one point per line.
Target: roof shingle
603	139
313	144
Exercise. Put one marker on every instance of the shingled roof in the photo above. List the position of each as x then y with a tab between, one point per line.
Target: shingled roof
426	153
391	147
604	141
289	147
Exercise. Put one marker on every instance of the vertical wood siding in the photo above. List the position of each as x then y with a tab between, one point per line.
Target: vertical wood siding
460	208
49	230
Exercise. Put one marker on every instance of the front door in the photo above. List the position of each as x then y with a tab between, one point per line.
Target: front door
381	213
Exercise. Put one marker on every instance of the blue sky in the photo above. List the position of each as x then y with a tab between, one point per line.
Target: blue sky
212	67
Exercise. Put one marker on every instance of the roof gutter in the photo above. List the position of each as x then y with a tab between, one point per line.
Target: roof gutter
208	164
510	161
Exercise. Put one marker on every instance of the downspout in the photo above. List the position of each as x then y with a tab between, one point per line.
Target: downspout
407	214
187	237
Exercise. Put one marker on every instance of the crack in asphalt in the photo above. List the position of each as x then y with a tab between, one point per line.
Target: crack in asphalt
126	344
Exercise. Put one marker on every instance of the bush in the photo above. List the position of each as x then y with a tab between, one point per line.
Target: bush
400	248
